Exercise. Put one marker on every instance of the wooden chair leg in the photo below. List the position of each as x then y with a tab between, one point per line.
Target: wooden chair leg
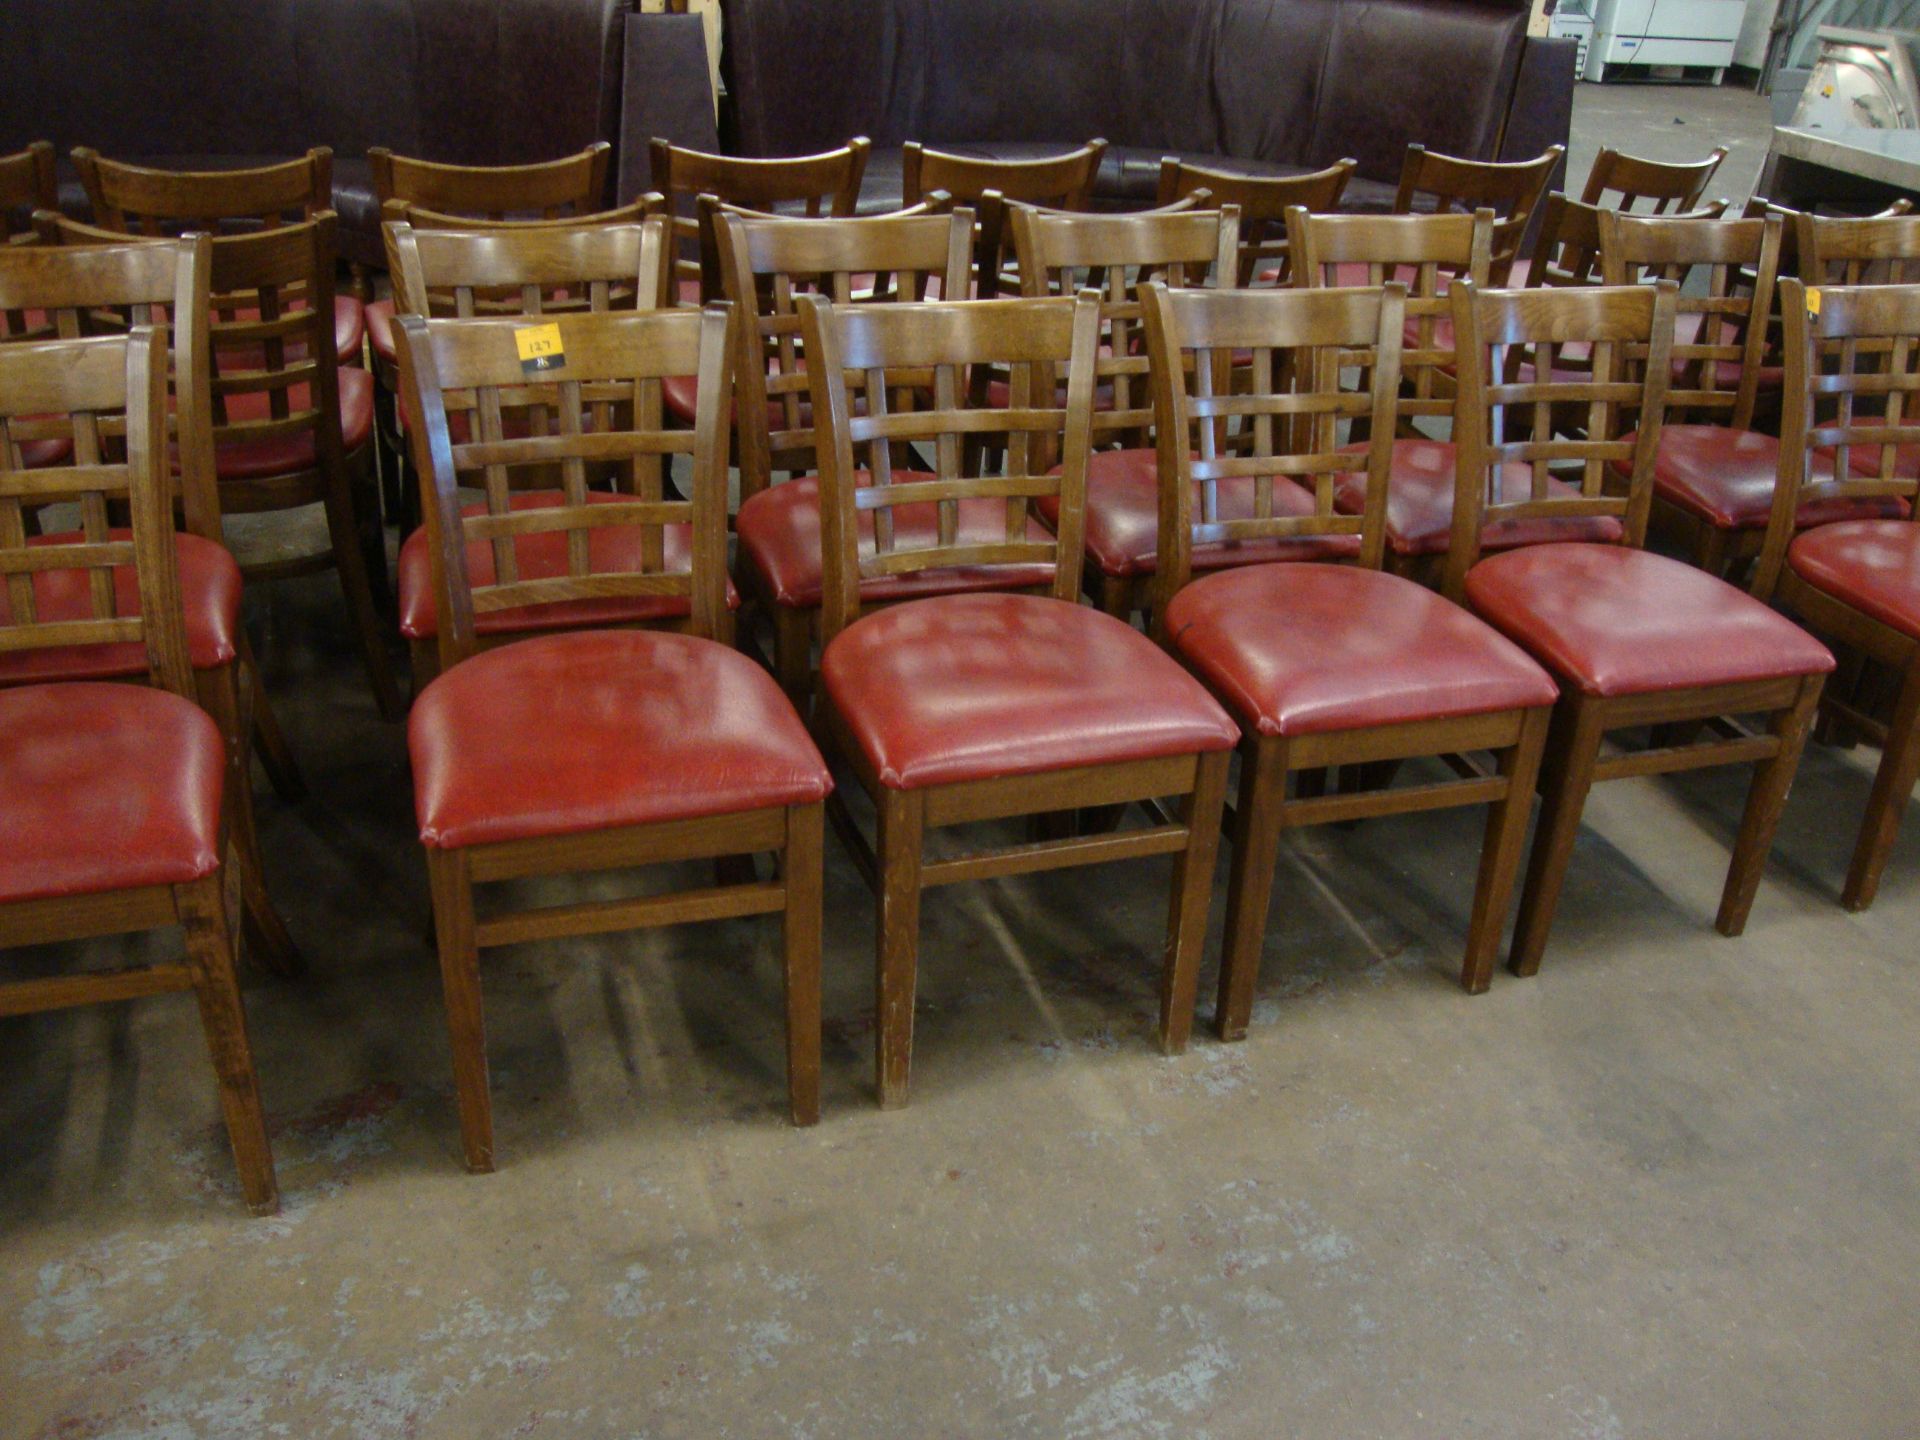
1192	894
801	867
209	942
1116	596
902	827
269	743
1573	749
1501	848
1710	549
1257	817
219	695
1766	797
343	528
1887	803
793	654
460	982
423	664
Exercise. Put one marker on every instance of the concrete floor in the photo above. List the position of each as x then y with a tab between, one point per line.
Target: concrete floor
1666	1189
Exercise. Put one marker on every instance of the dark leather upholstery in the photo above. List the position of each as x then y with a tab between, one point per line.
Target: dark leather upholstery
1726	477
779	533
472	82
1873	565
105	787
209	601
612	547
1123	519
1306	649
1420	504
972	687
596	729
1616	621
379	315
290	454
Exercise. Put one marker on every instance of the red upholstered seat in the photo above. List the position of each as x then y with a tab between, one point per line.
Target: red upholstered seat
680	394
1865	459
1726	373
351	321
971	687
290	454
1305	649
1123	519
1872	565
1726	477
209	597
779	534
379	321
597	729
1618	621
1420	504
54	450
541	557
105	787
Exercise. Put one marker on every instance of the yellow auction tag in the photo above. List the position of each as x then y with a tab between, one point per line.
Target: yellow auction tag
540	348
1813	299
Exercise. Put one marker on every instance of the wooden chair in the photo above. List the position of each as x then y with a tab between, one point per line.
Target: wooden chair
1322	665
26	184
1854	581
108	289
110	794
597	749
976	707
1061	182
1619	181
1061	253
1511	189
1263	202
1634	639
549	272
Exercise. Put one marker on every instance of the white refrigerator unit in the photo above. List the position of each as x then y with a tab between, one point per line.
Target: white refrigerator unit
1697	35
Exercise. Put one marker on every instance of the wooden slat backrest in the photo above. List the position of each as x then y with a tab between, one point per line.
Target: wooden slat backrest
767	264
79	381
1064	182
1875	250
1852	383
619	357
549	189
1511	189
107	289
1062	254
1621	181
1298	341
1031	338
1609	323
812	185
1722	317
26	184
136	199
1427	253
1263	201
1568	249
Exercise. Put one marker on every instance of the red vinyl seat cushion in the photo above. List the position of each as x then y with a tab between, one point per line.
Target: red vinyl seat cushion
1306	649
779	535
1617	621
1420	489
1872	565
105	787
379	322
597	729
680	396
1726	477
1123	519
209	601
291	454
974	687
541	557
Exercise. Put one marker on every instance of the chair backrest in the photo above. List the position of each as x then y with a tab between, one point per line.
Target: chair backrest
1852	359
1263	201
1615	326
85	290
1032	339
1666	186
811	185
1299	340
610	362
75	384
768	263
1428	253
135	199
1062	253
541	269
26	184
422	217
1567	250
1721	312
551	189
1061	182
1511	189
1874	250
